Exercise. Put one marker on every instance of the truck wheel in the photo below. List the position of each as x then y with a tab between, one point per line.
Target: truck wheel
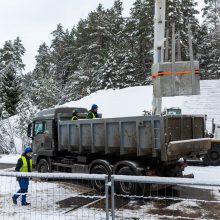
99	185
126	188
43	166
212	158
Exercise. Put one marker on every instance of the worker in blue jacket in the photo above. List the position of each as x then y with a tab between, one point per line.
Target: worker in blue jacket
93	112
24	164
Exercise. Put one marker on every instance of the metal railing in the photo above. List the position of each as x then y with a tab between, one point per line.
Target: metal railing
201	187
71	196
55	196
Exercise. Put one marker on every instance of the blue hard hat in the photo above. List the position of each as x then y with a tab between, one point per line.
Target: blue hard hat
28	150
94	106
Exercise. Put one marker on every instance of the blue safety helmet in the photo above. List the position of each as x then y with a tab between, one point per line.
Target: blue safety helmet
28	150
94	106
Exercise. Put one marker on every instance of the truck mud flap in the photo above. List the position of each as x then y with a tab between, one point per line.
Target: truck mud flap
188	148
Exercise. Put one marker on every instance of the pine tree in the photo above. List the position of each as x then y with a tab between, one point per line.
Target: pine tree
211	43
10	90
118	70
141	28
92	41
26	112
203	47
59	55
182	13
44	88
11	69
79	81
211	13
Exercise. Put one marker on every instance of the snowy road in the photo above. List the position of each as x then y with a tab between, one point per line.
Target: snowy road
6	165
8	161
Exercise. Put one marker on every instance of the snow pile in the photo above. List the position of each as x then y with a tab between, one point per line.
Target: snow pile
132	101
9	159
207	103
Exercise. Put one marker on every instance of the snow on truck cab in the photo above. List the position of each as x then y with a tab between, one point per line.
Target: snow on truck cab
140	145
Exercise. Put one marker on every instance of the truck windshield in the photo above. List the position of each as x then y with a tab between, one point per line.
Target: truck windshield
173	111
39	127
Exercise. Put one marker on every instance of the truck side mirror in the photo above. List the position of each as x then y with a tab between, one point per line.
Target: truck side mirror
29	131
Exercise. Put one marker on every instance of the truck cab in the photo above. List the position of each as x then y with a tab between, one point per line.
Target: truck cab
43	132
172	111
212	158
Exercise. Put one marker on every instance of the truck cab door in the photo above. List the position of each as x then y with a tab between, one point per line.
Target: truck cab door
38	139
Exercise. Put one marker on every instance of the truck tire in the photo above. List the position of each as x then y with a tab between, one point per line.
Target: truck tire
126	188
43	166
99	185
212	158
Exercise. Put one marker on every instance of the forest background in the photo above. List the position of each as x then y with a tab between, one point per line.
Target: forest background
103	51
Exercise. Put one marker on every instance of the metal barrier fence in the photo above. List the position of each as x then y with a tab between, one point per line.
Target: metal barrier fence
71	196
165	198
53	196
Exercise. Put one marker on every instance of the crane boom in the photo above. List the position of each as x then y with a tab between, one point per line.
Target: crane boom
159	30
159	38
175	78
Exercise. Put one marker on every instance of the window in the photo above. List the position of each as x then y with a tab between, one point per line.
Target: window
173	111
39	127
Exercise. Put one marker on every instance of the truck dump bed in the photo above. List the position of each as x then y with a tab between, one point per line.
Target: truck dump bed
157	136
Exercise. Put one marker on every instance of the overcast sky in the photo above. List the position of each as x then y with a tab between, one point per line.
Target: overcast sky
34	20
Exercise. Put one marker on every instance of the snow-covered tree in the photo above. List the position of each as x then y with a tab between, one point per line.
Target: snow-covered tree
211	13
182	13
44	87
26	112
141	38
11	67
59	55
211	42
7	135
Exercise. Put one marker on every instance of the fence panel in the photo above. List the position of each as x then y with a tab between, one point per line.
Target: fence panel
164	198
53	196
71	196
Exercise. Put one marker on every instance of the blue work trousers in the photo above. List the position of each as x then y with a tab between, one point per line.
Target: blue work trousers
23	183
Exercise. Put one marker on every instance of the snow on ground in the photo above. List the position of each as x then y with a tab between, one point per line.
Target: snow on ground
44	198
10	159
209	172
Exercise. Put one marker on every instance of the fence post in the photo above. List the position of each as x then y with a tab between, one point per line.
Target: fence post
106	198
113	197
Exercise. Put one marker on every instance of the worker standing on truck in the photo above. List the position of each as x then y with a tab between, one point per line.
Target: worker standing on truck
24	164
93	112
75	115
